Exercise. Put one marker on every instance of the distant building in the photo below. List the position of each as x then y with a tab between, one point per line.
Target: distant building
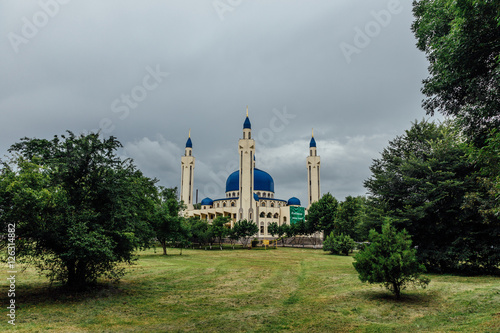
249	190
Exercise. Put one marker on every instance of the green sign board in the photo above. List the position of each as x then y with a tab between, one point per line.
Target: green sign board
297	214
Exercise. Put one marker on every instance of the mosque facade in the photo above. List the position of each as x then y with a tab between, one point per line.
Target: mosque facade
250	191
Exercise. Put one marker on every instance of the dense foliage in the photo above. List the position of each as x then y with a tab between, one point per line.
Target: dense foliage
390	259
426	182
79	210
244	230
462	43
337	244
321	214
166	221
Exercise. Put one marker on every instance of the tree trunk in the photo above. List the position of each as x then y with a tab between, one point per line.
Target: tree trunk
164	246
70	266
397	289
76	275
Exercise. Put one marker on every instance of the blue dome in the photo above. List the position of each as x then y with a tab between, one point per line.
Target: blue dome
247	124
293	201
256	197
262	181
207	202
312	143
189	144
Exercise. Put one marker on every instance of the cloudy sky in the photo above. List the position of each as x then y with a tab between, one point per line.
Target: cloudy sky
147	71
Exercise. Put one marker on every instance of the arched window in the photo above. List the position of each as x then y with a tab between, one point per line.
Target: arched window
284	219
224	204
232	204
276	215
262	214
269	215
258	194
272	204
263	204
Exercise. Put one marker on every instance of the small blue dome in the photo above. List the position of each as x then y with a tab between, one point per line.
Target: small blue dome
247	124
312	143
262	181
207	202
256	197
189	144
293	201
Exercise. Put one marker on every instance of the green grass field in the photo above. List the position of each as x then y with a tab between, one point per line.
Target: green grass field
284	289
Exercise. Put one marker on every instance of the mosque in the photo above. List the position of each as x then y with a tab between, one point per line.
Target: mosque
249	190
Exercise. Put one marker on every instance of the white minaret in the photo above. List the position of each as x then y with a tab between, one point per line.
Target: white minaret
187	176
246	150
313	164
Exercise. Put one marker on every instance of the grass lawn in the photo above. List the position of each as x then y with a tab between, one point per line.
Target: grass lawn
286	289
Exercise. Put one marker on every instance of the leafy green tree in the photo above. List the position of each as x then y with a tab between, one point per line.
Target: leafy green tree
219	229
423	180
183	235
391	260
245	230
79	209
348	216
299	230
273	228
233	236
487	160
166	221
283	231
462	43
337	244
321	215
197	228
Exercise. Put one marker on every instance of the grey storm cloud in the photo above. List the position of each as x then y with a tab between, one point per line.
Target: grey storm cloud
348	68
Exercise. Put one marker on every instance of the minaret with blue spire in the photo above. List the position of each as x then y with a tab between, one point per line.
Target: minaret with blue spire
313	175
187	174
246	150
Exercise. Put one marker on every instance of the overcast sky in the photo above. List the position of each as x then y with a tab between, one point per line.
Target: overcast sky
148	71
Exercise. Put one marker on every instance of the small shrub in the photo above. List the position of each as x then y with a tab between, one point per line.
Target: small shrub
390	259
338	244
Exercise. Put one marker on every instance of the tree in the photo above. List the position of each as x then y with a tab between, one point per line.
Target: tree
79	209
233	236
321	215
423	181
273	228
283	232
299	229
245	229
487	160
337	244
166	221
183	235
219	229
348	217
462	43
390	260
